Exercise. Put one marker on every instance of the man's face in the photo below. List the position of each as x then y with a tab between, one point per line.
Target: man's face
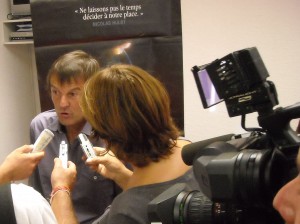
65	98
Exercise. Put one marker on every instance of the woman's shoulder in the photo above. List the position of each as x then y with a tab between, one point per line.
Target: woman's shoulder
182	141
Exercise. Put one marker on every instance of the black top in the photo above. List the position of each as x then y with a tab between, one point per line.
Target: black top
7	213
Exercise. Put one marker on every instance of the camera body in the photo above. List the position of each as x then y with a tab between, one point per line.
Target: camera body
238	176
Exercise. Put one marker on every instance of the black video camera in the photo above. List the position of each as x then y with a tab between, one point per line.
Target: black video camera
238	176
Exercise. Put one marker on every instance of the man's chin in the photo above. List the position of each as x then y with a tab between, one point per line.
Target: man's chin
65	121
70	122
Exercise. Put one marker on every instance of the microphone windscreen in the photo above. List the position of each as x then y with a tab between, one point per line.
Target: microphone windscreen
189	151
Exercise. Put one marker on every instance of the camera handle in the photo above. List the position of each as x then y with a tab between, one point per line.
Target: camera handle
277	125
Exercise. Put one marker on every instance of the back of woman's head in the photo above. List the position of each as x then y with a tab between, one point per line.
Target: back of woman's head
131	110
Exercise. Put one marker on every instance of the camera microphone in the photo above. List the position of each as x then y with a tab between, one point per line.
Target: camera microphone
189	151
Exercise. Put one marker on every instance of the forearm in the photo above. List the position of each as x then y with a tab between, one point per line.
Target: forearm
122	178
63	209
3	176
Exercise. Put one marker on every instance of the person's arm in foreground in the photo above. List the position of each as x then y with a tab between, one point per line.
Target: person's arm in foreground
62	181
19	164
110	167
287	200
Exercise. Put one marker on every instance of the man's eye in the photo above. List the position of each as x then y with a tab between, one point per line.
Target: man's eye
73	94
53	91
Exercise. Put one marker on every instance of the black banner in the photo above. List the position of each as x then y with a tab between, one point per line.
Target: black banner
140	32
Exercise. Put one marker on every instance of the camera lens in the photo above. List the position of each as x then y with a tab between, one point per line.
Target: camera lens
192	208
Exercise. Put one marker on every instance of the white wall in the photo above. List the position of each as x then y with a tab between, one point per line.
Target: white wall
211	29
17	95
215	28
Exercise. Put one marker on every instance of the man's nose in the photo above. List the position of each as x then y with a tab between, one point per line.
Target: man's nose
64	101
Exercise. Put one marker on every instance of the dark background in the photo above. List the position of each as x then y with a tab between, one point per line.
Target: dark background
154	35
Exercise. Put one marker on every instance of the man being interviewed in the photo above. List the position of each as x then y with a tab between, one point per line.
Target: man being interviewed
92	192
